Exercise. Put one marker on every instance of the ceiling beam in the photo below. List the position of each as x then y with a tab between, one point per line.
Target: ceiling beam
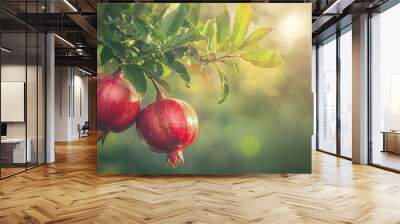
82	61
86	26
49	22
320	22
337	7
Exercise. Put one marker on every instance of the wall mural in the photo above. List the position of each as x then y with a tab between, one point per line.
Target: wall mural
195	88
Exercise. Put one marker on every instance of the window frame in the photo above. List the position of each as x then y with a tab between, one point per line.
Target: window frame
334	37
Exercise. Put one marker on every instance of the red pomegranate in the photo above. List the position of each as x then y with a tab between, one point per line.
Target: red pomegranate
168	126
118	104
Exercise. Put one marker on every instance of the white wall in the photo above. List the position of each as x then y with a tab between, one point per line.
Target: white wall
16	73
61	103
12	73
13	101
80	110
71	94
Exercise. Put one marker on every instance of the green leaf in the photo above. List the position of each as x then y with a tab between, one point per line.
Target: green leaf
154	68
140	27
170	57
151	13
224	86
256	36
209	31
158	11
265	59
250	48
110	67
171	23
180	52
241	25
159	36
117	47
136	76
223	24
141	46
106	55
180	69
194	13
225	45
184	38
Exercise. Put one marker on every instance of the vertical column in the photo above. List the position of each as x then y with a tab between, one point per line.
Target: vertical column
338	91
50	92
314	92
92	88
360	90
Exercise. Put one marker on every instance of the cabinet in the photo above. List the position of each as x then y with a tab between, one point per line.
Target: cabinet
391	142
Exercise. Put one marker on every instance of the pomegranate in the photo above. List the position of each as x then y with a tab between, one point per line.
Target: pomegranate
118	104
168	126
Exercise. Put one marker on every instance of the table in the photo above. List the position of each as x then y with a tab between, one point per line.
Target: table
19	155
391	141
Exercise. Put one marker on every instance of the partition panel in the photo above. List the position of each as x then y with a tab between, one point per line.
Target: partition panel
346	93
14	153
385	89
23	88
32	97
41	96
327	95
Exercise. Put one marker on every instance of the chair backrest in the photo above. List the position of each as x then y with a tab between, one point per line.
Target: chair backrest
86	125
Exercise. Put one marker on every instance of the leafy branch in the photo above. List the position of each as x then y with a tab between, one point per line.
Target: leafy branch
148	41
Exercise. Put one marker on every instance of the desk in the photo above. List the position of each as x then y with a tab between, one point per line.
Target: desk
17	150
391	141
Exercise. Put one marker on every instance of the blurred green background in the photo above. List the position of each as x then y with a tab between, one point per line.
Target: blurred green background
264	126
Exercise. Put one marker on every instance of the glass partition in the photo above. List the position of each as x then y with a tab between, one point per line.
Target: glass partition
385	89
31	98
346	93
327	95
22	88
14	155
41	97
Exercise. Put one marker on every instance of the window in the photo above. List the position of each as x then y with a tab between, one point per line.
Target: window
346	92
385	89
394	102
327	95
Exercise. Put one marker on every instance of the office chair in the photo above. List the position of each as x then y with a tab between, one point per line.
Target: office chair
84	130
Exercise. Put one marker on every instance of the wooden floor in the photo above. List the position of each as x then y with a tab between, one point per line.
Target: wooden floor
5	172
387	159
69	191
